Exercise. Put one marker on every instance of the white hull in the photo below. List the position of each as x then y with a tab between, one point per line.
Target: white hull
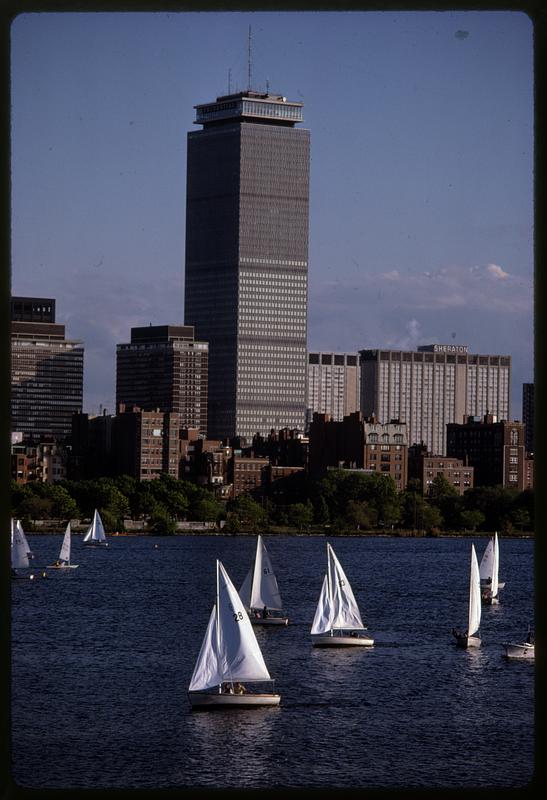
468	641
269	620
203	700
63	566
96	544
326	640
524	650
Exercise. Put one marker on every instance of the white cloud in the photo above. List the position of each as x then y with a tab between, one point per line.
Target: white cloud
497	272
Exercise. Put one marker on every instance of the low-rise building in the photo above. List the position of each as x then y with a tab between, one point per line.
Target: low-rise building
495	449
425	467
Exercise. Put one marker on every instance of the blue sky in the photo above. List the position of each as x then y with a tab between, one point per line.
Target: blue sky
421	204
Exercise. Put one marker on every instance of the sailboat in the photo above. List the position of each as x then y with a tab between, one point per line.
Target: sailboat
523	650
489	570
260	592
24	538
19	552
63	562
95	534
337	621
229	655
469	638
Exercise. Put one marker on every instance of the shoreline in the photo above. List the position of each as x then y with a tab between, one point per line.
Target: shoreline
402	534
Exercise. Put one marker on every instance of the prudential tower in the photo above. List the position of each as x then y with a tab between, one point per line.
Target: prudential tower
247	210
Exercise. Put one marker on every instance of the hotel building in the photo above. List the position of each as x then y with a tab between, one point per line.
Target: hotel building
436	385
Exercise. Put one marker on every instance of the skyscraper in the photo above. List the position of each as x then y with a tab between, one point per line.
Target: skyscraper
528	415
247	259
46	372
440	383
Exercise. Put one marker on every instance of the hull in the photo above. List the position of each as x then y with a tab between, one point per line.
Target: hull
63	566
522	651
326	640
202	700
269	620
468	641
95	544
488	600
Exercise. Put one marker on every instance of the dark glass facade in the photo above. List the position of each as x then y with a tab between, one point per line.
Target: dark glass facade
247	260
164	368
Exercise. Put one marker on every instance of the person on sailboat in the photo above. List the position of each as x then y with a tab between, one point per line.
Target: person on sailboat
265	613
227	688
239	688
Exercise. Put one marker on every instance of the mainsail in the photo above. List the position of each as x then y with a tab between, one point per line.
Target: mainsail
474	595
19	548
487	562
260	587
64	555
229	651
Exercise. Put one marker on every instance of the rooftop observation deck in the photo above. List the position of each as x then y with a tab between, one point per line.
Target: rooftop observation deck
250	106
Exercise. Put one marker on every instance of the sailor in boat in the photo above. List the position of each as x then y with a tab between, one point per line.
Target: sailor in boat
227	688
239	688
265	613
457	634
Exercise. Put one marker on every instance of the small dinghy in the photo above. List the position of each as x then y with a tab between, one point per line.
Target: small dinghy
337	621
260	592
230	658
471	638
489	571
63	562
20	553
95	534
525	650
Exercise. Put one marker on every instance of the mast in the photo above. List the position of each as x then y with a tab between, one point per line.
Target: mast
329	583
217	609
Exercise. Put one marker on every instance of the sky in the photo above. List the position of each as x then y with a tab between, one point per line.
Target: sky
421	175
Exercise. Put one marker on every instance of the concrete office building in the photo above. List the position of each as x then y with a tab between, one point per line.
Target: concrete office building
436	385
333	385
164	368
46	372
247	259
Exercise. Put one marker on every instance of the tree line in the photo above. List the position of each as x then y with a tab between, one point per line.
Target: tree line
342	501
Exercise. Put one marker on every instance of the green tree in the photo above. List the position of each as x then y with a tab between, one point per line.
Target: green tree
300	515
360	516
520	517
161	523
471	520
250	514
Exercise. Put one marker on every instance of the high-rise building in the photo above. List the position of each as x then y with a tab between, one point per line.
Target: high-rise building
46	372
432	387
333	385
247	259
164	368
528	415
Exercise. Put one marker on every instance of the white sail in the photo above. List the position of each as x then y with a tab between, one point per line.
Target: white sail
322	619
474	595
264	591
495	567
19	548
229	651
64	555
95	532
487	562
245	590
24	538
345	612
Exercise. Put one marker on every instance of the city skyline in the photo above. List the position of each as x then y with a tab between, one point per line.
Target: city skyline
421	171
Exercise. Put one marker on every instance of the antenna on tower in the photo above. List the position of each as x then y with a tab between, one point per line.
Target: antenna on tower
267	86
249	62
229	81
